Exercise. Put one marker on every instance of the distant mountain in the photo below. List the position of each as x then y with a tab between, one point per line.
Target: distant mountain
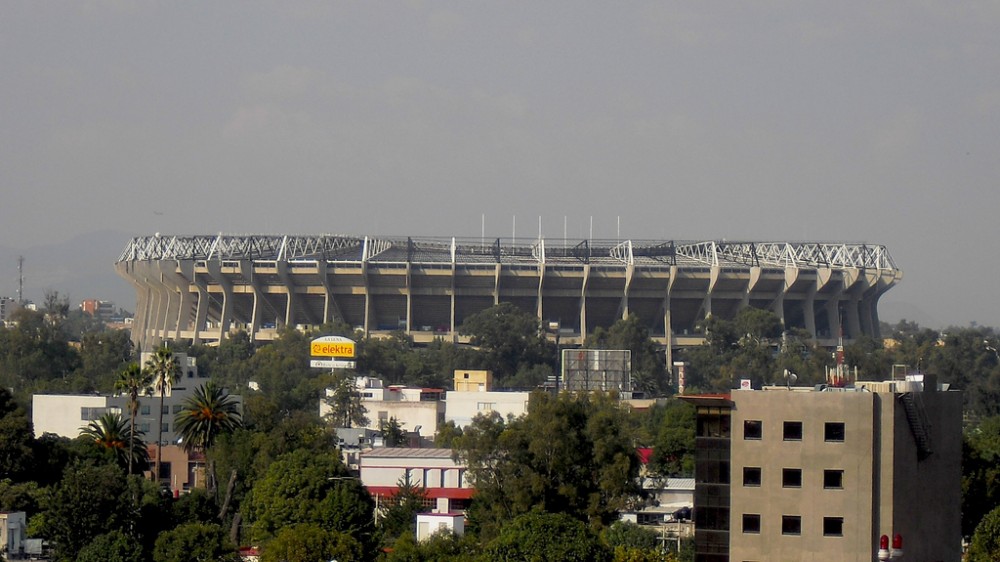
81	268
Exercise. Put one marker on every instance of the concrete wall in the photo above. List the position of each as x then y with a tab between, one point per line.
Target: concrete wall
463	406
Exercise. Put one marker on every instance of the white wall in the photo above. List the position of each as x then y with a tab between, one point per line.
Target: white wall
463	406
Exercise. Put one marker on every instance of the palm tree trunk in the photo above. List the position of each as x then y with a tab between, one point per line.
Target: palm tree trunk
131	437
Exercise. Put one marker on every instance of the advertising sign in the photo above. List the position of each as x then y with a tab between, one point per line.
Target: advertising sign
332	346
331	364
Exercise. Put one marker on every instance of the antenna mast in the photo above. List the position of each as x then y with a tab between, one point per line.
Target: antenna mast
20	280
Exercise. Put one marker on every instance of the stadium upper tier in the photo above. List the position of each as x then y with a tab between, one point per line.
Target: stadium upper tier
204	287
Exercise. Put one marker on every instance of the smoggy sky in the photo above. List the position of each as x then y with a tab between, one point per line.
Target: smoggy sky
860	121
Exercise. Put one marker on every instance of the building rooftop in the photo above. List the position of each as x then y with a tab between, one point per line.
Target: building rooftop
405	452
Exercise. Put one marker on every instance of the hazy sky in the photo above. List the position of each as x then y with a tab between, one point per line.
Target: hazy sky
858	121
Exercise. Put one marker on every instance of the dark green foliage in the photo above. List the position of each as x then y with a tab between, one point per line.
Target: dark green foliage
114	546
194	541
673	445
980	472
85	504
440	547
16	454
447	434
550	537
392	432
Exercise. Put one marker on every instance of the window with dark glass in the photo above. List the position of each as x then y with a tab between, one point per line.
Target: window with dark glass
751	523
834	431
791	477
753	429
833	526
833	479
751	476
793	431
791	525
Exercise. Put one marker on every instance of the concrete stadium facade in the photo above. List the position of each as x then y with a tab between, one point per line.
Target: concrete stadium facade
202	288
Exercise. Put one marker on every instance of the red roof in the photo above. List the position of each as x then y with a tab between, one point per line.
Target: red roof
431	493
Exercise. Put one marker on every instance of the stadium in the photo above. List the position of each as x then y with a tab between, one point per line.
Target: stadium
202	288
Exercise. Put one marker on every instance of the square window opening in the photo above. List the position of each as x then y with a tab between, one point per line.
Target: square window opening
751	523
834	432
833	479
753	429
791	525
793	431
751	476
791	477
833	526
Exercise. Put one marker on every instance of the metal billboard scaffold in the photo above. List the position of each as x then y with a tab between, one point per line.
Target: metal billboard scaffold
585	370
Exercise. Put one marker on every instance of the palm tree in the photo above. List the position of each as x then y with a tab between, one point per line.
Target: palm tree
209	412
133	381
165	370
111	431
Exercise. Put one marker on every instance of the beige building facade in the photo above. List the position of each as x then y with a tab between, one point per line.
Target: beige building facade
810	475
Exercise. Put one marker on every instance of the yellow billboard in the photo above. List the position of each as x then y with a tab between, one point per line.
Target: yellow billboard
332	346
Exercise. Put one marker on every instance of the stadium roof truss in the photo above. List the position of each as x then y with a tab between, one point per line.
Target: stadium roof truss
653	253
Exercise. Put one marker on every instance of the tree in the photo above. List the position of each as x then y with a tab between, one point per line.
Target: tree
510	337
16	453
111	432
673	447
346	409
308	542
985	545
398	515
649	373
133	381
115	546
554	537
393	434
209	412
194	541
165	370
306	486
571	454
86	503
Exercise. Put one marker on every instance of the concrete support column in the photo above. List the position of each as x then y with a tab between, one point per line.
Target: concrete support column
583	301
367	290
778	306
451	322
215	270
246	270
496	284
629	275
668	329
408	289
751	283
290	296
712	280
539	309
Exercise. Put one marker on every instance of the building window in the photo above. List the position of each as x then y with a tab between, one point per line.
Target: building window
833	526
751	476
165	410
791	525
144	427
487	406
791	477
833	479
753	429
751	523
793	431
178	408
165	427
91	414
834	431
144	410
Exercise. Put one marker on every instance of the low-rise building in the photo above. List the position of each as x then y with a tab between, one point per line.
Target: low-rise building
435	471
13	533
417	410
